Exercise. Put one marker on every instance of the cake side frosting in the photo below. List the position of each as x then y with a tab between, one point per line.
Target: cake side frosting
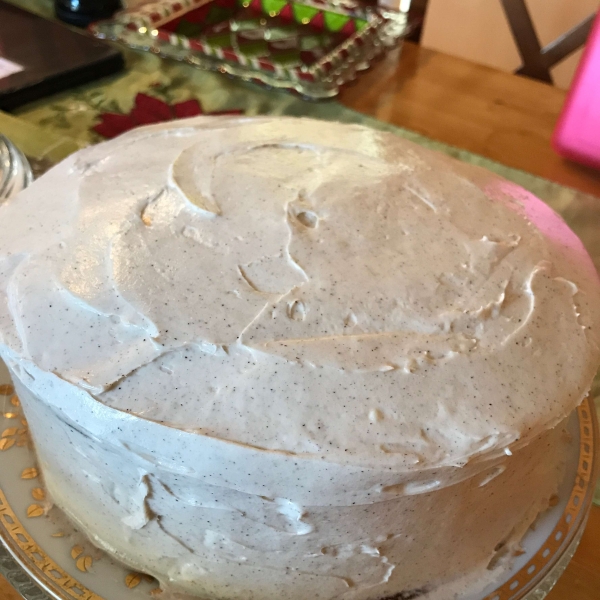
228	522
310	288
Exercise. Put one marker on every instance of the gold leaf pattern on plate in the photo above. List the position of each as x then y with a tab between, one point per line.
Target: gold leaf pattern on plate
15	401
6	443
10	415
21	431
84	563
30	473
58	534
76	551
6	389
38	493
10	431
22	442
19	538
132	580
34	510
23	421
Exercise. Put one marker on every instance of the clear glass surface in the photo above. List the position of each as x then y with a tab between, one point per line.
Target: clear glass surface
15	171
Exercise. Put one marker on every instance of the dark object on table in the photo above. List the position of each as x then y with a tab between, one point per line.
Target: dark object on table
83	12
40	57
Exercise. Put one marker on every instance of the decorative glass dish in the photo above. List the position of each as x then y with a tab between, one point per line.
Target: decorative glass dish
42	546
15	172
311	47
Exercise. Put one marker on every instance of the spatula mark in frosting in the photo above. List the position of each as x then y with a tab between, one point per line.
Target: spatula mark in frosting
423	196
152	208
297	310
273	274
183	176
308	218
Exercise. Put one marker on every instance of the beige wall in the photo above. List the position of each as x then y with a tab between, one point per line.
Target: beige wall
477	30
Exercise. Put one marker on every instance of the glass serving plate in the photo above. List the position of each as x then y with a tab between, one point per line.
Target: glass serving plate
45	558
308	46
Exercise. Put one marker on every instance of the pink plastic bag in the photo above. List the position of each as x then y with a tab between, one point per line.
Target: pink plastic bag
577	134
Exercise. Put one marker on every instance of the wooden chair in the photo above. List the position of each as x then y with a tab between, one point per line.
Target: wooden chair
452	26
537	61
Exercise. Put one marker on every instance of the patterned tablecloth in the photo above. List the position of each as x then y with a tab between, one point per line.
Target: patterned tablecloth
50	129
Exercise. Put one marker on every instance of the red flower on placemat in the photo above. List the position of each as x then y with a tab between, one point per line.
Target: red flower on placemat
147	110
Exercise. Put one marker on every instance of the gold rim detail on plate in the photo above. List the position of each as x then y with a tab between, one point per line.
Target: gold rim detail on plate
523	580
53	577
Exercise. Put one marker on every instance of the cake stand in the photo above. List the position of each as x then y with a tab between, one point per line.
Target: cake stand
45	558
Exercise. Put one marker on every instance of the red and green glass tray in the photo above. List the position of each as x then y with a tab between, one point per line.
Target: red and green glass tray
310	47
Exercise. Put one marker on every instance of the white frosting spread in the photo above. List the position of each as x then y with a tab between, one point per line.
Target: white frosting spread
300	286
329	315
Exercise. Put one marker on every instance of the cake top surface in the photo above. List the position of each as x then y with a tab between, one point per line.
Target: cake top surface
305	287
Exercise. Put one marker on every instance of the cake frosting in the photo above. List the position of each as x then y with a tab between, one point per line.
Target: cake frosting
290	359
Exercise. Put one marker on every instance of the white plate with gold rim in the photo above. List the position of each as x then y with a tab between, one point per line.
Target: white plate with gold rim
45	557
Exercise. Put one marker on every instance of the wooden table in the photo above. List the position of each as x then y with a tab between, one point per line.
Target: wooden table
500	116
